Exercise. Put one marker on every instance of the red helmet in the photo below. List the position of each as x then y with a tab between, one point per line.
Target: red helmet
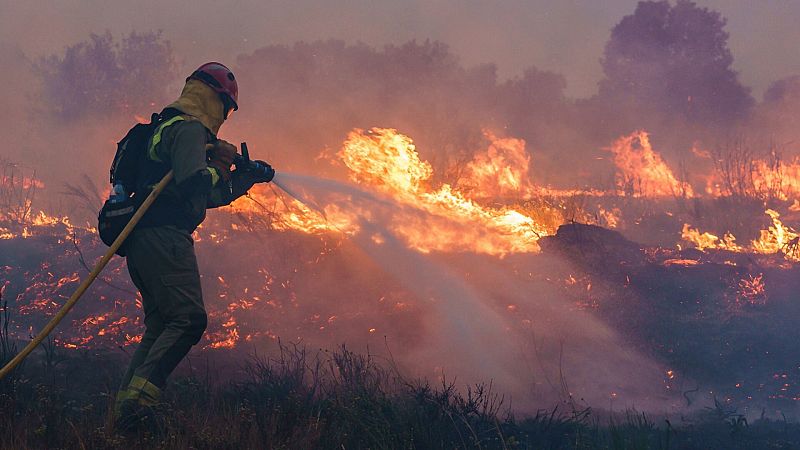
221	79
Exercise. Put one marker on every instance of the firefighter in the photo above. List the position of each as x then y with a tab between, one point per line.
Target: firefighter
160	251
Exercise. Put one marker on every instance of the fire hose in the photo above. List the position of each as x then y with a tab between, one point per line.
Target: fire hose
242	160
90	279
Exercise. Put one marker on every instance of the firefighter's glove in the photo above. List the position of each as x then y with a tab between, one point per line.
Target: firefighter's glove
244	179
221	158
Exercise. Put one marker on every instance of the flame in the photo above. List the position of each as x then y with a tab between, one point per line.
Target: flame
706	240
609	218
778	238
227	336
289	214
766	179
387	161
492	208
680	262
28	225
427	219
641	171
300	218
501	171
781	180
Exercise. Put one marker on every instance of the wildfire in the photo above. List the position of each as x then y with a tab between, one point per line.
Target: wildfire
491	208
388	161
779	178
641	171
28	225
608	218
427	219
778	238
502	171
769	178
706	240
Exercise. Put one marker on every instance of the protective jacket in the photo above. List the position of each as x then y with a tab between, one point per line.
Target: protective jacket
179	144
160	251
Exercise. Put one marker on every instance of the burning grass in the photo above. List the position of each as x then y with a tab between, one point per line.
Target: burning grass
717	313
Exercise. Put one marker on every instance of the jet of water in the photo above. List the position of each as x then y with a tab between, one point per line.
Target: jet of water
470	338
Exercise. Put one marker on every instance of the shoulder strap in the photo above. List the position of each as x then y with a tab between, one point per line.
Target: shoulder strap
156	139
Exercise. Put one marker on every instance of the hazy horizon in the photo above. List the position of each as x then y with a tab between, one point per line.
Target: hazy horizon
561	36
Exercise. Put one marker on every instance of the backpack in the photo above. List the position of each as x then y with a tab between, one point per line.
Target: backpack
125	176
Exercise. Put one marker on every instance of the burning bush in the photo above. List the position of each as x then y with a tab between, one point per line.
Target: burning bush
451	239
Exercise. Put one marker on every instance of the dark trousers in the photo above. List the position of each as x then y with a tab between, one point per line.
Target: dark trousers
163	266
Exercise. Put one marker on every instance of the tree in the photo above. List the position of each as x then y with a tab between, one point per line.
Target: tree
674	60
101	76
777	118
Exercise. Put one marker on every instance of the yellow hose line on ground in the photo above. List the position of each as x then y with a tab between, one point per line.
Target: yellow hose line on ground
88	281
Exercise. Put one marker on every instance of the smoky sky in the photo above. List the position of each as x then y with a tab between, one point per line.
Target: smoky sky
565	36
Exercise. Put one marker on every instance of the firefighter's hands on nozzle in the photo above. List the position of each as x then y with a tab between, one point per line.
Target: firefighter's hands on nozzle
221	157
266	175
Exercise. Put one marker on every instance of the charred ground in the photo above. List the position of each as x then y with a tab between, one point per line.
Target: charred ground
300	396
635	250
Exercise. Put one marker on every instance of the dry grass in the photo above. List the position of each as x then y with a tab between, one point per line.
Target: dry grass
329	400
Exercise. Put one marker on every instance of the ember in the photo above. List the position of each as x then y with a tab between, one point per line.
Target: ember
638	246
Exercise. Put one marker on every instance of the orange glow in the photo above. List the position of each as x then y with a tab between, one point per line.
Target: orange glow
609	218
492	207
502	171
703	241
426	218
387	161
641	172
681	262
778	238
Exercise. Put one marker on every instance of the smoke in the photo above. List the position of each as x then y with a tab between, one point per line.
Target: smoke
301	98
560	355
442	73
775	119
